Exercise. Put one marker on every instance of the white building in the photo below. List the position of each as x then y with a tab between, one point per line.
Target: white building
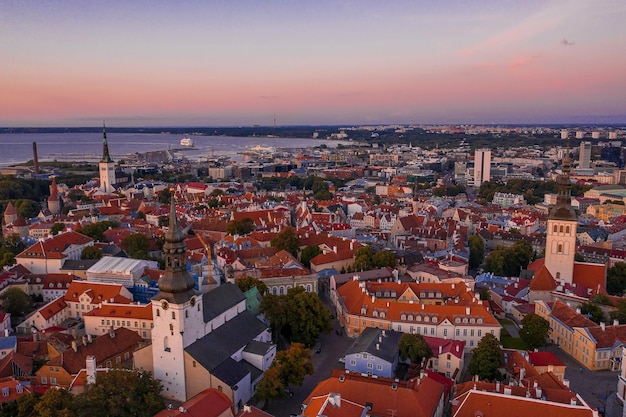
114	270
482	166
584	157
106	167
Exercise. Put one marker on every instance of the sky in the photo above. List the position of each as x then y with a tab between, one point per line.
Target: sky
246	62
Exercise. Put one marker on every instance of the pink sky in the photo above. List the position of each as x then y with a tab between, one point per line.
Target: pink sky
237	63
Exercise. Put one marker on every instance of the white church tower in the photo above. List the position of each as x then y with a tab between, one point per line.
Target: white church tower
561	233
106	166
177	314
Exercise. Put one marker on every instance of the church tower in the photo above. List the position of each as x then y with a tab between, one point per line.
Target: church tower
54	203
107	166
561	233
177	314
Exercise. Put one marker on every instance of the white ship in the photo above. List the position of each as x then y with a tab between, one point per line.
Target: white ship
187	142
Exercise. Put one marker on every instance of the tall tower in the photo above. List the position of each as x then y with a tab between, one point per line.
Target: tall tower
584	159
482	166
106	165
54	203
561	233
177	315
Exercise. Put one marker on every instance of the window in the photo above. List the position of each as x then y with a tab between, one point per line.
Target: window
126	355
370	365
458	332
158	313
53	380
445	332
432	331
44	379
379	367
102	322
173	315
136	324
567	229
118	360
560	249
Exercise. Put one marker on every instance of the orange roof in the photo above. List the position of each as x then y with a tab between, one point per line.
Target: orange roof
420	399
592	276
52	308
99	292
543	280
568	316
128	311
53	248
209	403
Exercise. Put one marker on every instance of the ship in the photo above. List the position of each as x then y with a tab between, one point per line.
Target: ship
186	142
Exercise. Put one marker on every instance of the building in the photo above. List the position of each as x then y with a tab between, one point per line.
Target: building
202	341
584	156
106	167
374	352
135	317
403	307
561	230
482	166
49	255
116	270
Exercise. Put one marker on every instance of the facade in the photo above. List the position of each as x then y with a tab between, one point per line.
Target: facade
482	166
48	256
137	318
584	156
447	357
399	307
374	352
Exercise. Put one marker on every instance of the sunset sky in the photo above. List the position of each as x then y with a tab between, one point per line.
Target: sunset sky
238	62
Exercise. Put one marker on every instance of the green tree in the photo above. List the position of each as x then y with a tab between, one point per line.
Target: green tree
247	282
384	258
26	404
535	330
91	252
240	227
55	403
271	386
486	359
308	253
56	228
477	251
620	313
601	299
414	347
16	301
363	259
96	230
616	279
294	364
165	196
136	245
122	393
509	261
288	240
275	309
594	311
27	208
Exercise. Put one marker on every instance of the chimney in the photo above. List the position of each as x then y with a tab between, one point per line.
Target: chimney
85	340
440	349
578	311
497	386
90	368
603	325
6	332
74	346
615	322
89	338
377	346
467	311
111	332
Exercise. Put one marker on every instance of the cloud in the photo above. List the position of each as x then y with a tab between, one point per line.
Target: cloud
268	97
565	42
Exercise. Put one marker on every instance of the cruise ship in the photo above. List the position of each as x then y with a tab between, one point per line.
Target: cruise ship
187	142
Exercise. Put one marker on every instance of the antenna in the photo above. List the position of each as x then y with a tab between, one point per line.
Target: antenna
274	120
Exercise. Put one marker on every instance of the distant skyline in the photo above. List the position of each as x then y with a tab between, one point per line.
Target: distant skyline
237	63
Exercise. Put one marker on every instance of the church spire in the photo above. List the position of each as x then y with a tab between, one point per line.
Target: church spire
105	145
563	210
176	285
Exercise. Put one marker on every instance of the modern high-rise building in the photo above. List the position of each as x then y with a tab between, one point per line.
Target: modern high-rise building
584	158
564	134
482	166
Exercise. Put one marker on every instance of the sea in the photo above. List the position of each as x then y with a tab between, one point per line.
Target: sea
74	146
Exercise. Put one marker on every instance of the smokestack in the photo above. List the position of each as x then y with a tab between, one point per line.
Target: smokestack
35	159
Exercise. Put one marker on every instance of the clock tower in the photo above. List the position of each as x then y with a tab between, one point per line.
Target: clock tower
177	314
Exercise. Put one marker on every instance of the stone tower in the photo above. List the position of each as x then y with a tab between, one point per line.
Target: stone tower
561	232
54	202
177	313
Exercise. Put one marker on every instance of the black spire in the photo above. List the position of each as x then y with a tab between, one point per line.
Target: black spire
105	145
176	285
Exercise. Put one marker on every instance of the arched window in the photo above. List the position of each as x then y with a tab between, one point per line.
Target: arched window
166	344
558	275
554	229
561	229
173	315
567	229
309	288
158	313
560	249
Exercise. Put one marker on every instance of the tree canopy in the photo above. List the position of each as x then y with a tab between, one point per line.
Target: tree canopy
486	359
308	253
477	251
594	312
535	330
91	252
288	240
616	279
96	230
247	282
300	315
16	301
240	227
136	245
414	347
509	261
